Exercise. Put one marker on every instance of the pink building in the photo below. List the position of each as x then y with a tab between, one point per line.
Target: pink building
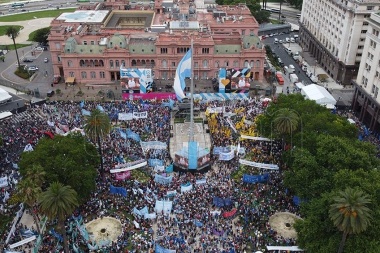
92	43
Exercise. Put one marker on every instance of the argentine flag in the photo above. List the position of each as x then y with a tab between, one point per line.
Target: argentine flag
183	71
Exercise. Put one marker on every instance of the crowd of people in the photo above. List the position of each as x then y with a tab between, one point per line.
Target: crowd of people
195	221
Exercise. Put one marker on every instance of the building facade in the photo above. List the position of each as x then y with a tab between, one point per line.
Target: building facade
92	43
334	32
366	101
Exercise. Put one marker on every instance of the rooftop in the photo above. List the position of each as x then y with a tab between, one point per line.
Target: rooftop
84	16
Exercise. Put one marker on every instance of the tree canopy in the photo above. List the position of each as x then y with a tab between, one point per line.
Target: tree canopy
327	158
70	160
41	35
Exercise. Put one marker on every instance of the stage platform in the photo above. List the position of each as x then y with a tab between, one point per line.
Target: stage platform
181	136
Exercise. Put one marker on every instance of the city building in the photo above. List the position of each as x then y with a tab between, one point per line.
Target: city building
92	43
333	32
366	101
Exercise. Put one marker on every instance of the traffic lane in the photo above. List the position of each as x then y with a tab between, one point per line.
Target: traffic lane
279	50
45	69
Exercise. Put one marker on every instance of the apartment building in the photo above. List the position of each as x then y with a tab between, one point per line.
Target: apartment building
334	33
92	43
366	101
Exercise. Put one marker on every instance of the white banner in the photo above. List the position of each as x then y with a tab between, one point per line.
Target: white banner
140	115
139	165
163	206
159	168
150	216
267	166
3	181
153	145
214	109
226	156
186	188
254	138
125	116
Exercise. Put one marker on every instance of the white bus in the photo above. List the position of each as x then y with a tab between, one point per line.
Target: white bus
274	10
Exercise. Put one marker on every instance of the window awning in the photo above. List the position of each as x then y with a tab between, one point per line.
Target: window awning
70	79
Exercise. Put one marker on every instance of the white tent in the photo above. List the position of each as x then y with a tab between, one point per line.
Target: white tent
4	96
319	95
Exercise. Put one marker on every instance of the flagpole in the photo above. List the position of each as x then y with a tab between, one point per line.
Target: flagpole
191	134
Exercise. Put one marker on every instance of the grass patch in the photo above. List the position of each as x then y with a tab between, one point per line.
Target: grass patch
11	46
198	120
37	14
276	21
22	73
3	28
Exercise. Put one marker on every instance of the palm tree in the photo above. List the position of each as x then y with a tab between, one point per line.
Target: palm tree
350	213
37	174
58	201
97	126
28	192
286	122
12	32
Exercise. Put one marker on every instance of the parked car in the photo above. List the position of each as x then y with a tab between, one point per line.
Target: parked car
46	60
280	41
27	60
287	39
33	68
292	40
39	48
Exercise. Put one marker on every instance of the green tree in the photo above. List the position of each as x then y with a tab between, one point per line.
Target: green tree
97	127
261	16
70	160
13	32
57	202
41	35
350	213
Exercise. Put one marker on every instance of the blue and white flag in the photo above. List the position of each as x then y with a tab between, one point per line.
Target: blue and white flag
85	112
100	108
183	71
122	134
132	135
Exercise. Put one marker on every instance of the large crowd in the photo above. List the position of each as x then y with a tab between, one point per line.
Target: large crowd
195	223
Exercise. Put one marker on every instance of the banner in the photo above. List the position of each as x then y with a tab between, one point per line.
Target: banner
230	213
186	187
226	156
150	216
137	78
118	190
3	181
159	168
123	175
159	249
155	162
201	181
163	180
140	212
218	150
140	115
267	166
253	179
163	206
171	193
132	135
129	166
125	116
146	145
169	169
220	202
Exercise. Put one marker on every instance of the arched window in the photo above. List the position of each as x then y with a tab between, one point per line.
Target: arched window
217	64
258	63
164	64
226	63
236	64
246	64
84	74
123	63
117	64
134	63
252	63
111	63
69	63
205	63
81	63
101	63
